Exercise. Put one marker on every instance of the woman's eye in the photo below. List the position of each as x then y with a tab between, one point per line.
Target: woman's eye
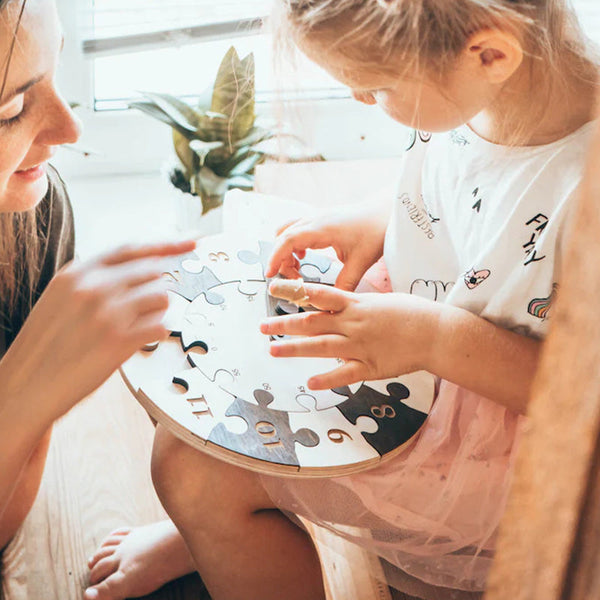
11	113
12	120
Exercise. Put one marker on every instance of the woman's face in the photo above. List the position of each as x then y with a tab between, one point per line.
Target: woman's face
34	118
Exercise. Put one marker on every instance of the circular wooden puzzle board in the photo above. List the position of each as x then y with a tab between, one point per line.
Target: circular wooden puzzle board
214	384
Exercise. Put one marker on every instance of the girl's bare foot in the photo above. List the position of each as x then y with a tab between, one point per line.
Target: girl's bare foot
134	562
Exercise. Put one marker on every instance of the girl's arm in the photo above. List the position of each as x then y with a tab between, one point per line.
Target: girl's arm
387	335
480	356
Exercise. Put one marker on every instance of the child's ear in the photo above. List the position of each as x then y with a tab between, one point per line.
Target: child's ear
495	53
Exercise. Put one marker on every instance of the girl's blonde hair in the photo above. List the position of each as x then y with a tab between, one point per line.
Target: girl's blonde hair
432	33
427	36
20	243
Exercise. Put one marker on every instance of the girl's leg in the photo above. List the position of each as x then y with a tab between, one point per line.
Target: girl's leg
25	491
242	545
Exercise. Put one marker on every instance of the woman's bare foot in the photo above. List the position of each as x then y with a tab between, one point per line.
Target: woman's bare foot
134	562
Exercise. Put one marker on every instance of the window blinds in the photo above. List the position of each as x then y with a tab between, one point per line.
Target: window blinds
117	26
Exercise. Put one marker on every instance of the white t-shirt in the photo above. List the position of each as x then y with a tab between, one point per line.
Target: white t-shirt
480	226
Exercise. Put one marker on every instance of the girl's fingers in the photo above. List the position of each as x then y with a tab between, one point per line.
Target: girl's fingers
350	372
287	246
287	226
325	346
321	296
129	253
307	323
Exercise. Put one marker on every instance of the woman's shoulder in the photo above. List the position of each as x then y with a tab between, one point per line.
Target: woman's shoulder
56	228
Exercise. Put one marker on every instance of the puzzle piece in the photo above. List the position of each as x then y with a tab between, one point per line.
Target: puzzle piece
342	443
192	401
316	260
397	421
268	437
219	253
238	357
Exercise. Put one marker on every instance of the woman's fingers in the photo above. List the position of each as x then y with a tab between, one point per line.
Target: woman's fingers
151	297
348	373
129	253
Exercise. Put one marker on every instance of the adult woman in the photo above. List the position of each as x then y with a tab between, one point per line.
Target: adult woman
65	330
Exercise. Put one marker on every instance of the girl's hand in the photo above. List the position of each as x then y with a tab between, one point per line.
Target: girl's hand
357	237
90	319
376	335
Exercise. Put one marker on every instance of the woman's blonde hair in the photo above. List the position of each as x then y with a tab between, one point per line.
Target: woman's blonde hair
20	243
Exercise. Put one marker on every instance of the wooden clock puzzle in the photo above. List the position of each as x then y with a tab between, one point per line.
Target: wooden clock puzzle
214	384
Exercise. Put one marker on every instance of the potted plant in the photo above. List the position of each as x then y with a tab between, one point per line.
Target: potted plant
216	141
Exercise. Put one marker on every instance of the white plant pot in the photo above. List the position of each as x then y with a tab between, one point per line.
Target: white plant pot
189	218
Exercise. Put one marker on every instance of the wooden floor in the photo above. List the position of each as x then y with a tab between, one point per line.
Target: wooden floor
97	478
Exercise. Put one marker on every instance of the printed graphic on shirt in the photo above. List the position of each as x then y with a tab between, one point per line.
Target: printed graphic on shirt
458	138
420	216
473	278
413	135
477	205
431	289
540	307
535	226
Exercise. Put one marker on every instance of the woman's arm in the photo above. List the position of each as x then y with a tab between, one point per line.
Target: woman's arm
91	318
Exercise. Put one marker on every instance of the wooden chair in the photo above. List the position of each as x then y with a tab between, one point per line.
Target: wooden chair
549	547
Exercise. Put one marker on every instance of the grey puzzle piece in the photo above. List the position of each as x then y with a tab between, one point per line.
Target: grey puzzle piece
269	436
322	263
192	285
397	422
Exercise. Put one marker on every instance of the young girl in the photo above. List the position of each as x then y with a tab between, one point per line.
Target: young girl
473	244
63	330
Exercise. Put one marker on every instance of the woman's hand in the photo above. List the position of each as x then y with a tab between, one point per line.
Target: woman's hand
356	236
91	318
376	335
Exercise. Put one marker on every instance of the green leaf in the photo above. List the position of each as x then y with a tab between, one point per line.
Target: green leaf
246	166
255	135
202	148
189	159
242	182
183	114
210	187
233	93
154	111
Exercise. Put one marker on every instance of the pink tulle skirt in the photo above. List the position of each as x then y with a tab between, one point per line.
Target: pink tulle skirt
432	512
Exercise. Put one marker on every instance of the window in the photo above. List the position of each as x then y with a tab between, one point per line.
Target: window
175	46
588	12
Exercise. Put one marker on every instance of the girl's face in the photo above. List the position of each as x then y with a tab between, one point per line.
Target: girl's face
34	118
415	101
